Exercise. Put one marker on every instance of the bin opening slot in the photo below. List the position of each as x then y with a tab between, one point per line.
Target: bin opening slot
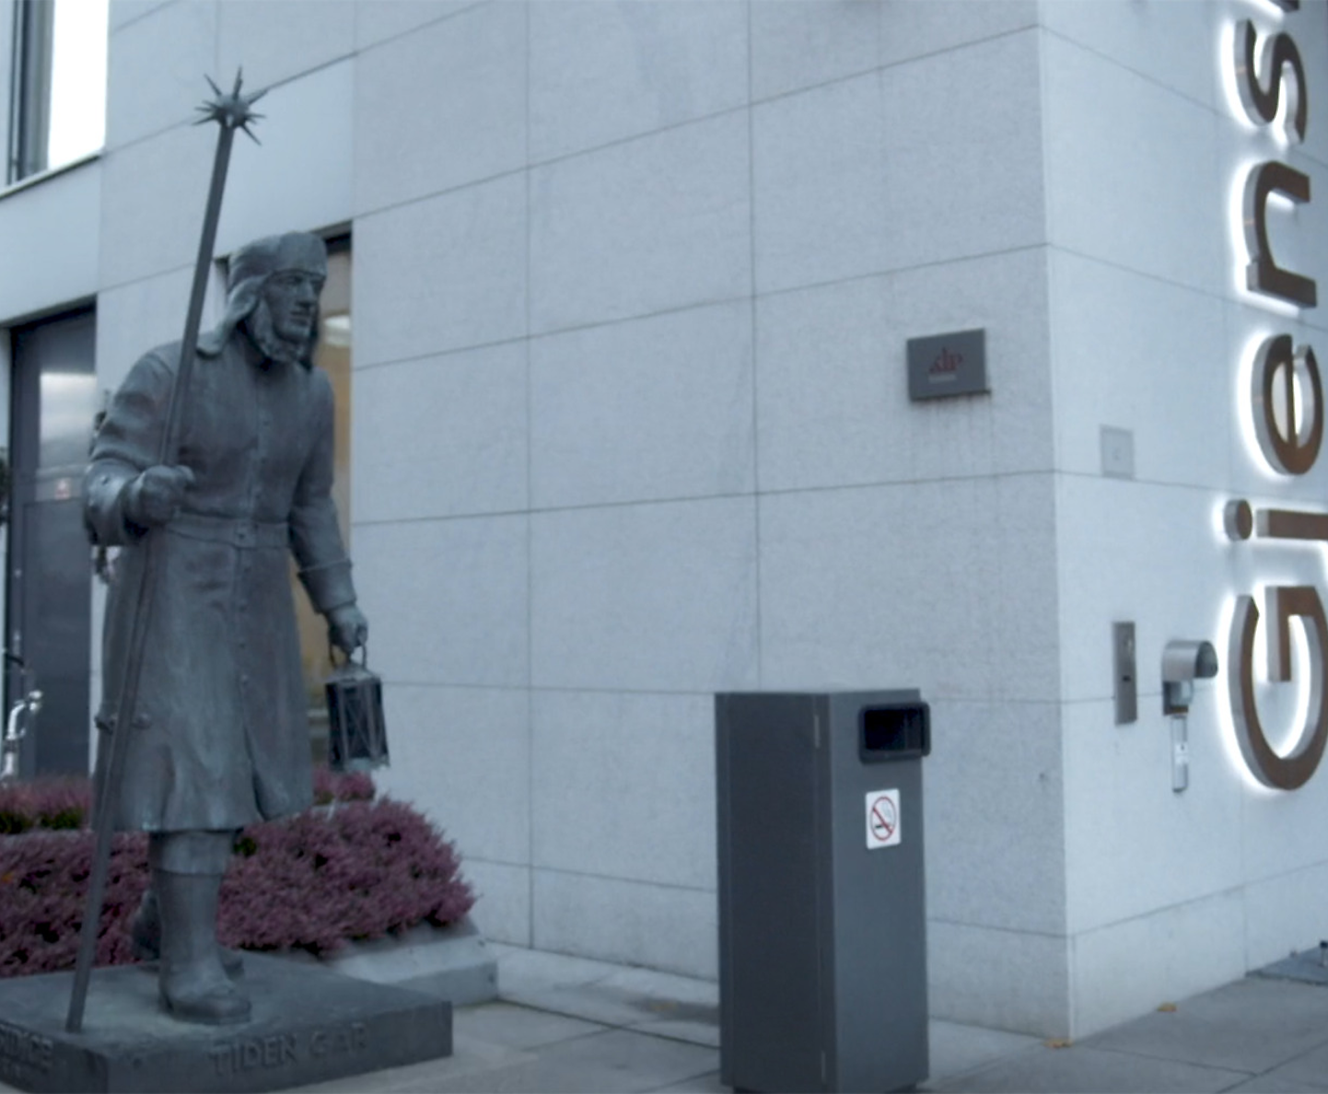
895	731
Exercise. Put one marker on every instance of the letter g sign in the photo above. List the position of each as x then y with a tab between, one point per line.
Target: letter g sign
1284	601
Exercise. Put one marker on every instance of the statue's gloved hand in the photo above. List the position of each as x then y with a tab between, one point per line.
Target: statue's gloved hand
347	629
155	496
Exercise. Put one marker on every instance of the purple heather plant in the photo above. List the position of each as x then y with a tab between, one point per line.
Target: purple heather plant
43	882
355	869
44	803
320	879
352	786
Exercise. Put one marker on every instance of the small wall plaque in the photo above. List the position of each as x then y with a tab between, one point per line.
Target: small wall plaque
947	364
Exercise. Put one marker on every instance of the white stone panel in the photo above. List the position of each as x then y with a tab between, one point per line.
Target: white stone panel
645	597
1132	844
462	757
1281	832
1160	374
378	20
624	786
134	318
659	407
1124	970
1284	913
1176	45
441	274
149	87
999	979
915	28
449	598
152	197
441	436
603	72
441	107
1144	552
799	43
53	228
832	377
964	157
676	930
901	167
818	185
502	907
123	12
995	839
657	223
1132	170
300	177
948	586
277	39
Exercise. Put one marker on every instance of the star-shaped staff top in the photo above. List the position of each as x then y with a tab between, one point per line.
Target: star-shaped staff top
232	110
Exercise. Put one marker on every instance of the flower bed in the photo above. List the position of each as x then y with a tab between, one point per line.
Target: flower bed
351	868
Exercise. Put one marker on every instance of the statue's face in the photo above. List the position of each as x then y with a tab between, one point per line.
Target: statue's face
291	297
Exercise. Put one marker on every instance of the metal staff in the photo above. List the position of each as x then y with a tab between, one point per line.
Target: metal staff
231	112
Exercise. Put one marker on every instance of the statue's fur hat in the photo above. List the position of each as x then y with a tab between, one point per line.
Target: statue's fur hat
250	267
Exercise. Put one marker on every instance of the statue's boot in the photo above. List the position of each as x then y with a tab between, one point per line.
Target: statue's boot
145	936
192	984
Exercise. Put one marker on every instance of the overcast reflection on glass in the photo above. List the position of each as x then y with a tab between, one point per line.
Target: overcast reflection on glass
78	80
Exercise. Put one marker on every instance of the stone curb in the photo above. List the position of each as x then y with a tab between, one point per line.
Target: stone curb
452	962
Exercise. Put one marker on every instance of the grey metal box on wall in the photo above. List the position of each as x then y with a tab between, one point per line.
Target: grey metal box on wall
822	913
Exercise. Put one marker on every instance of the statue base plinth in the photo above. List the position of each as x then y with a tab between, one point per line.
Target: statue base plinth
308	1025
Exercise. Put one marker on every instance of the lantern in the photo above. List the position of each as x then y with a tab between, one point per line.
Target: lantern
356	733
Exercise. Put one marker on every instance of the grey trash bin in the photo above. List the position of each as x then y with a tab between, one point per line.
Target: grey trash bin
822	914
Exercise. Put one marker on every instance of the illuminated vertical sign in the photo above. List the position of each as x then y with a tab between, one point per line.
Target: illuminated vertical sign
1286	404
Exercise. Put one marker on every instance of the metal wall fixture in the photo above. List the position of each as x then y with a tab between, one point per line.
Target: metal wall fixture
1183	662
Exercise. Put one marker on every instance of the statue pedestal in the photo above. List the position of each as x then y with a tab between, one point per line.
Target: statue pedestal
308	1025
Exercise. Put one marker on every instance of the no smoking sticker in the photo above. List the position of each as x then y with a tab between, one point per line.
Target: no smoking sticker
882	819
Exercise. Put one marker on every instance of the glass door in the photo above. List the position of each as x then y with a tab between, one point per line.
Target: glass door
49	582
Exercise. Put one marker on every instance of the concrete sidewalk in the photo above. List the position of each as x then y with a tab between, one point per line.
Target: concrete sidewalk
567	1024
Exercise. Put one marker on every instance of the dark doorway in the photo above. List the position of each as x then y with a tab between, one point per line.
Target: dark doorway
54	399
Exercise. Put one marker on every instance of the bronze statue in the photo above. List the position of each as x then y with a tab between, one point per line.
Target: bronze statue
220	732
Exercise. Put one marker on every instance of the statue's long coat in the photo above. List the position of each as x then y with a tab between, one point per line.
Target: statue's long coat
221	735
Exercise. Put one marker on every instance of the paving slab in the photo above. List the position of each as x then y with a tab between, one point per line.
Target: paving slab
563	985
521	968
630	998
512	1026
701	1032
1309	1070
1309	966
654	1030
1078	1070
1273	1084
1252	1025
614	1061
651	984
703	1084
470	1061
956	1049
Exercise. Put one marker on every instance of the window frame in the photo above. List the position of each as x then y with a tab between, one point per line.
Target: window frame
33	55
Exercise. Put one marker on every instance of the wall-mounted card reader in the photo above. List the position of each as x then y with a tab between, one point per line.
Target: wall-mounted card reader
1125	670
